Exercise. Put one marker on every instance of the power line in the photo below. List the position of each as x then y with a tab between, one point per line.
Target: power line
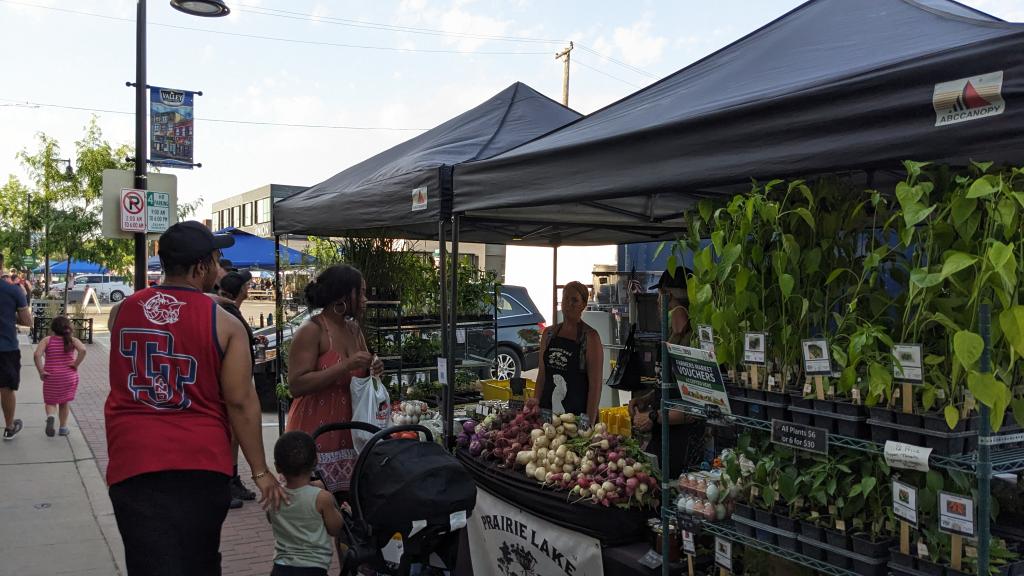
278	39
32	105
619	62
599	71
427	31
387	27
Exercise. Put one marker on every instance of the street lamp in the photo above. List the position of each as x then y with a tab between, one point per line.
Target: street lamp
209	8
69	172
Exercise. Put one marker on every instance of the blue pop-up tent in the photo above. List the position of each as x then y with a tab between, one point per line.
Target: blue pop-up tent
251	251
77	267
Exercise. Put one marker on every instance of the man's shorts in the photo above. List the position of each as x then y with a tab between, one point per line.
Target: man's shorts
10	369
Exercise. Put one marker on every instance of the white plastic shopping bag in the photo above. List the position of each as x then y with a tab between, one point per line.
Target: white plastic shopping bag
371	403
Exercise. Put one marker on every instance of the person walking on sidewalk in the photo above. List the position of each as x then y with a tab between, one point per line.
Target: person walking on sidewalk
180	383
64	354
233	289
13	311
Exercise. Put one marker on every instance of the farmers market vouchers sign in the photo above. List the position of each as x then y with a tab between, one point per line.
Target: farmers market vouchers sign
504	540
698	377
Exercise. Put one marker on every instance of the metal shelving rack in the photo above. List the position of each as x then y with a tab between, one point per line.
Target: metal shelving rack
983	463
725	530
380	330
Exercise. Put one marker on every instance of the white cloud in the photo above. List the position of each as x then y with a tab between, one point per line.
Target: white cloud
637	45
320	11
459	21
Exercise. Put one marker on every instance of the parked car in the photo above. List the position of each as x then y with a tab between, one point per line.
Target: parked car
520	325
108	288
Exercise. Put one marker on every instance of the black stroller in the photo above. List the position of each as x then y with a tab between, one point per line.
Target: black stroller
403	488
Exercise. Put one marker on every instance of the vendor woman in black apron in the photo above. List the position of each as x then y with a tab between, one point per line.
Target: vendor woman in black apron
569	376
686	433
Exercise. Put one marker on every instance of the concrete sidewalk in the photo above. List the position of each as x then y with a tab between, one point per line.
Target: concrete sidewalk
55	516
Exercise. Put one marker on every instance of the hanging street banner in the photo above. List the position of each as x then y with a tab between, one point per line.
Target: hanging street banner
698	376
506	540
170	127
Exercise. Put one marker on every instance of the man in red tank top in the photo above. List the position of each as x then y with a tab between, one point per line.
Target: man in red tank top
180	383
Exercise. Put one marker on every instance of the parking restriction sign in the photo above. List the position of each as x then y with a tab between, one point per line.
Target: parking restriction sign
133	210
158	211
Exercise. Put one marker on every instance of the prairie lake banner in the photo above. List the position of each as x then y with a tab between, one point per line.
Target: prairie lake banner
506	541
170	127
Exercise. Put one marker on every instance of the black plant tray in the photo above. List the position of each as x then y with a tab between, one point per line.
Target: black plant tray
899	569
941	443
844	552
836	423
762	409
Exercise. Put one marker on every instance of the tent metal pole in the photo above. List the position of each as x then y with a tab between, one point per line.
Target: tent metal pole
442	242
278	331
554	285
449	400
984	470
666	385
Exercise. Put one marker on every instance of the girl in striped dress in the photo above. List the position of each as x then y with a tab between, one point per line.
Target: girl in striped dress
63	353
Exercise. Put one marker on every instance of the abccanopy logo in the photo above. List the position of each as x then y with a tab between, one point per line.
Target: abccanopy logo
968	98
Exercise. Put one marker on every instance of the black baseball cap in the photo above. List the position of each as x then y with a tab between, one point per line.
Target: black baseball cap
233	281
186	243
672	279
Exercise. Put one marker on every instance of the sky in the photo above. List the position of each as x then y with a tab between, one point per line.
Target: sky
387	68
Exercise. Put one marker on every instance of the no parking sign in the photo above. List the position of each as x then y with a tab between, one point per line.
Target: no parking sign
133	210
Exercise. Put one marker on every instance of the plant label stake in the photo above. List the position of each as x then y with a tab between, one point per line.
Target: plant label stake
956	543
689	549
904	505
908	399
817	363
754	378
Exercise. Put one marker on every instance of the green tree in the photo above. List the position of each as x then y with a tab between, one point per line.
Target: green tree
66	209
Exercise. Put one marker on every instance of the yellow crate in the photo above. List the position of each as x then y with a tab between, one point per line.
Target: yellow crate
499	389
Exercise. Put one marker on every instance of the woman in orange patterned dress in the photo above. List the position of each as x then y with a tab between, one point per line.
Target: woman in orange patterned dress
327	352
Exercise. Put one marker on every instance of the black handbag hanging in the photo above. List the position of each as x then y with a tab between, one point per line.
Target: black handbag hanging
627	372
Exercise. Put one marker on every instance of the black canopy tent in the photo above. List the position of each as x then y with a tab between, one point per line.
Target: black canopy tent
405	191
830	86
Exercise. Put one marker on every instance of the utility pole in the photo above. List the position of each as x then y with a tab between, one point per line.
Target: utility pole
565	74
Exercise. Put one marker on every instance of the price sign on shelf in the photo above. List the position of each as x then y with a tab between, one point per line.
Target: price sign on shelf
800	437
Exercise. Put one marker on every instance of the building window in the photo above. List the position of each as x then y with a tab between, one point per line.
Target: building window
263	210
236	216
247	214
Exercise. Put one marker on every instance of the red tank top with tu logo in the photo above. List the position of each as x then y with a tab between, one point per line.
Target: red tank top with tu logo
165	410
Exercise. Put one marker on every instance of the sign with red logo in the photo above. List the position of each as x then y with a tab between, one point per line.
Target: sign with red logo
133	210
968	98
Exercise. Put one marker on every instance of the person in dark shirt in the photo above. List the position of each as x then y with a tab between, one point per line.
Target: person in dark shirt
686	433
233	289
13	311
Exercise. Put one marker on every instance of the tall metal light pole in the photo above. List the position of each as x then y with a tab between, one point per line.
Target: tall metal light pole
207	8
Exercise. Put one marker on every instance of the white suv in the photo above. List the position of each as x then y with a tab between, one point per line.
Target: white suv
107	287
